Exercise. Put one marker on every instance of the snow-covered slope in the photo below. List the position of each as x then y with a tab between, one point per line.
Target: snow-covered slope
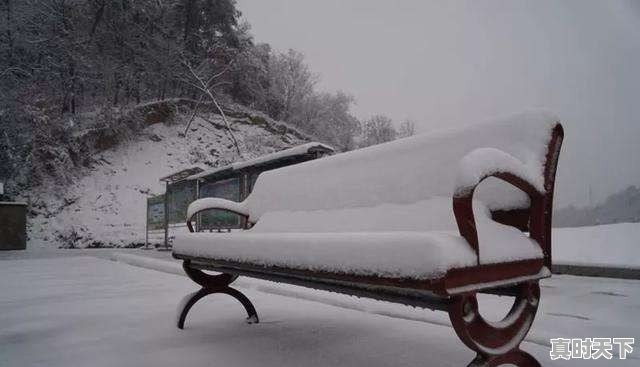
106	204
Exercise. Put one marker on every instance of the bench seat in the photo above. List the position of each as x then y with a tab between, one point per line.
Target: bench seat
347	241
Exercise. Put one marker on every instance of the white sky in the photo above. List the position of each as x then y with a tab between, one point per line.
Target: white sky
446	63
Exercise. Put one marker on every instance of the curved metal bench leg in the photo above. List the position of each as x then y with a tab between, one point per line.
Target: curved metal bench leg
496	343
212	284
188	302
252	315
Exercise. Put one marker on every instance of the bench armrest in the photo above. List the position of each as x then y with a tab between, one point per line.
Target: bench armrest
489	162
201	205
486	162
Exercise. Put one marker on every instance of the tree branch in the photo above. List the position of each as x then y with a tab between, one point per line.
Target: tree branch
205	89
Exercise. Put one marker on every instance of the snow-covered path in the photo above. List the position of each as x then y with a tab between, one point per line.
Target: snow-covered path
85	311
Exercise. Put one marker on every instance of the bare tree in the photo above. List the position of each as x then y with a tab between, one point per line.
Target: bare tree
326	115
407	128
378	129
291	83
206	87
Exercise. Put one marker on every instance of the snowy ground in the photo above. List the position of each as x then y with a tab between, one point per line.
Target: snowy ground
86	311
613	245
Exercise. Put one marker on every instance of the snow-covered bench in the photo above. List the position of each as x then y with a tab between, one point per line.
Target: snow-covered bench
408	222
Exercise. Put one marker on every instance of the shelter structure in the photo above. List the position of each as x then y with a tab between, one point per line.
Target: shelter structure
232	182
235	181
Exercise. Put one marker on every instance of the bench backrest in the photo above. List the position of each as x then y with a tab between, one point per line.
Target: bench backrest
404	171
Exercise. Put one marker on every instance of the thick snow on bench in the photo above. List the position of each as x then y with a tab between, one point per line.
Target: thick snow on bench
409	170
484	162
387	210
364	241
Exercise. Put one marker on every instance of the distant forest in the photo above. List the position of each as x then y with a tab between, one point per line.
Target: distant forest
62	58
623	206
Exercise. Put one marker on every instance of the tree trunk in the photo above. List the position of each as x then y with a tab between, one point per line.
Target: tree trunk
9	34
190	13
97	18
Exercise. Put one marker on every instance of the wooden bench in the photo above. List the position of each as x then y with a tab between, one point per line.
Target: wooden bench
426	221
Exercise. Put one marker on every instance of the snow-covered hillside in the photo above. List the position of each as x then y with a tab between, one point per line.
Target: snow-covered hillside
105	205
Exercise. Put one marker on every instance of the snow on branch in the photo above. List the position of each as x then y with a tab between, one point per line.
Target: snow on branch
205	86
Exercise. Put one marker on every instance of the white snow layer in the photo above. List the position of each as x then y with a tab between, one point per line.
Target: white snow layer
406	170
484	162
417	240
290	152
89	312
381	210
218	203
610	245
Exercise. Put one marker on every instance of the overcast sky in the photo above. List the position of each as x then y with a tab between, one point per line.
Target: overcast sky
447	63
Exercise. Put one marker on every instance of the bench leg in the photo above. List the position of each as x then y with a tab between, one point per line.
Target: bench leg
212	284
496	343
